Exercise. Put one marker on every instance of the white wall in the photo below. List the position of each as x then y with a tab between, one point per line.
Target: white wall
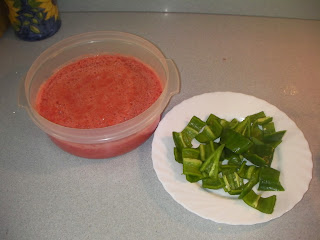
306	9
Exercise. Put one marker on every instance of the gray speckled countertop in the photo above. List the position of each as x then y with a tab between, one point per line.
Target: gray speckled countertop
46	193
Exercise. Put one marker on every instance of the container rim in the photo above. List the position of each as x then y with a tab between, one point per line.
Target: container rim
110	133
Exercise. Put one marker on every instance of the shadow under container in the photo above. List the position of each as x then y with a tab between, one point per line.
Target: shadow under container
113	140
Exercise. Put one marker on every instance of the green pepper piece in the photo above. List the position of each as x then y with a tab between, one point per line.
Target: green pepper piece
263	121
242	126
190	153
196	123
233	158
265	205
269	180
212	183
250	184
206	150
213	158
202	152
232	182
224	123
246	171
212	118
255	159
191	167
177	155
235	141
268	128
256	116
209	148
214	169
179	141
233	124
188	133
260	154
227	168
210	132
273	137
193	179
275	144
256	132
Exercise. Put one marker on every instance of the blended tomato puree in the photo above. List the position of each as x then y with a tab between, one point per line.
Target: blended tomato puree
98	91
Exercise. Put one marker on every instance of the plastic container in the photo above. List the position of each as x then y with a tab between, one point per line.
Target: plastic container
109	141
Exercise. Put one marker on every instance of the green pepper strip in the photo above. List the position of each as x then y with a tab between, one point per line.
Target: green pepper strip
246	171
191	167
190	153
269	180
268	128
212	183
193	179
250	184
265	205
235	141
212	118
177	155
214	170
233	159
233	183
179	141
183	139
210	132
256	116
196	123
241	127
212	159
273	137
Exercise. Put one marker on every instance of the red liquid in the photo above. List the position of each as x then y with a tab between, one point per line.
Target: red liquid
98	91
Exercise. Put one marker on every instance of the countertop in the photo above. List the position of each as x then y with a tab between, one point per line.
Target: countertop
46	193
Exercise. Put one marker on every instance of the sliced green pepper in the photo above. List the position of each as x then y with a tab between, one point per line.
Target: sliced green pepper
210	132
214	170
246	171
235	141
273	137
212	118
265	205
268	128
212	162
192	167
233	183
256	116
250	184
193	179
212	183
233	158
177	155
190	153
269	180
196	123
242	126
179	141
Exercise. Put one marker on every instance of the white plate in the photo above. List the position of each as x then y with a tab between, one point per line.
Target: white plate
293	159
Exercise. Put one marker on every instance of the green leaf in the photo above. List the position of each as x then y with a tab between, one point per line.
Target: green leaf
34	29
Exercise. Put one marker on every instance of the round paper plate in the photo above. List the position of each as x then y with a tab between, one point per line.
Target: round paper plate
292	158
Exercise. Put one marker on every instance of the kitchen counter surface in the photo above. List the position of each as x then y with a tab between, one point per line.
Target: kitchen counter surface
46	193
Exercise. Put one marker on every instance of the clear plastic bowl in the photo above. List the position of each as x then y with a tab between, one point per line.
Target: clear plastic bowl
109	141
